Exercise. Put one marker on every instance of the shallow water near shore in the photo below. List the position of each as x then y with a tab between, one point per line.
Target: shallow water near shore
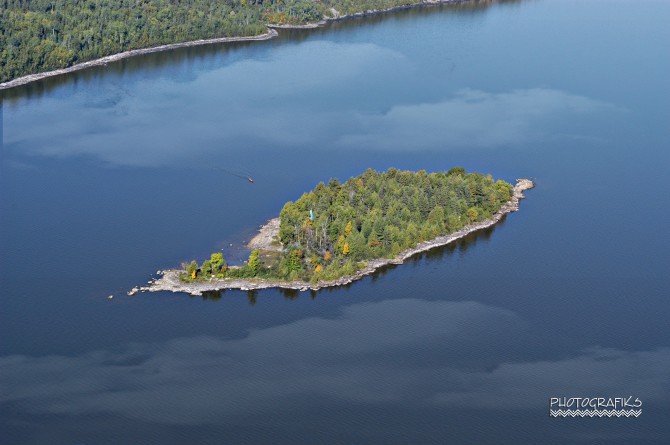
113	173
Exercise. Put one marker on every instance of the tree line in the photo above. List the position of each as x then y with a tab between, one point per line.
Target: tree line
333	230
43	35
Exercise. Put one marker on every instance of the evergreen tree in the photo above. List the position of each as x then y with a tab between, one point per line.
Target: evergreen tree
253	263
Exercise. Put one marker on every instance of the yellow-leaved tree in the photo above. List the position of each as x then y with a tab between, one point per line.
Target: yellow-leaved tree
348	229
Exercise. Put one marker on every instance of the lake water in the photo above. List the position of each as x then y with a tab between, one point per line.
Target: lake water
112	173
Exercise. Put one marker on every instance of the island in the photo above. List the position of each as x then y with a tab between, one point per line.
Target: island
340	232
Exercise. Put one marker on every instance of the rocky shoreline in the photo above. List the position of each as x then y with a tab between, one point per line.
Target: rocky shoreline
272	33
170	281
267	237
336	14
132	53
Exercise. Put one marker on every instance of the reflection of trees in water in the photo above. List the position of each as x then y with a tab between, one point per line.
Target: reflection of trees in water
460	247
211	295
209	56
183	60
290	294
251	296
409	13
215	295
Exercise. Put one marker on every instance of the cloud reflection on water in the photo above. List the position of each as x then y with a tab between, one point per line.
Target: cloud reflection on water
397	351
270	102
473	119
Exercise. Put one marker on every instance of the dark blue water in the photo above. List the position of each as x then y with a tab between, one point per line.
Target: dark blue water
112	173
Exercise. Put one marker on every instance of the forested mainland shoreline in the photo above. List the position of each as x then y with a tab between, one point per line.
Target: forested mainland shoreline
38	36
338	232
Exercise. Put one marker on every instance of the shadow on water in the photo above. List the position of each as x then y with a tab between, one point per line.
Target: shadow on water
183	60
210	295
409	13
459	247
216	295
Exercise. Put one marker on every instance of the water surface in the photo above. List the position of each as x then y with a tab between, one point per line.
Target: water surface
112	173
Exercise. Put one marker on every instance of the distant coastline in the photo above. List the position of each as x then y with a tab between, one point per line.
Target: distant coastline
337	16
270	34
170	281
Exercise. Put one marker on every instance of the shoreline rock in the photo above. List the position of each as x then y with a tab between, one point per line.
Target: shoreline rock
272	33
132	53
370	12
170	278
267	237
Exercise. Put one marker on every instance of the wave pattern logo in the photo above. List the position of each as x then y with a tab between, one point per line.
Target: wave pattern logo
595	407
595	413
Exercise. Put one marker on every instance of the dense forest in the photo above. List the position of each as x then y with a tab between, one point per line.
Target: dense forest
42	35
331	231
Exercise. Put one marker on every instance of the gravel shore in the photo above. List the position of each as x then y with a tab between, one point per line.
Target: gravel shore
267	238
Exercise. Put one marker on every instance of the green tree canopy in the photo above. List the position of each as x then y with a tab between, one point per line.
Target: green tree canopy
373	215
